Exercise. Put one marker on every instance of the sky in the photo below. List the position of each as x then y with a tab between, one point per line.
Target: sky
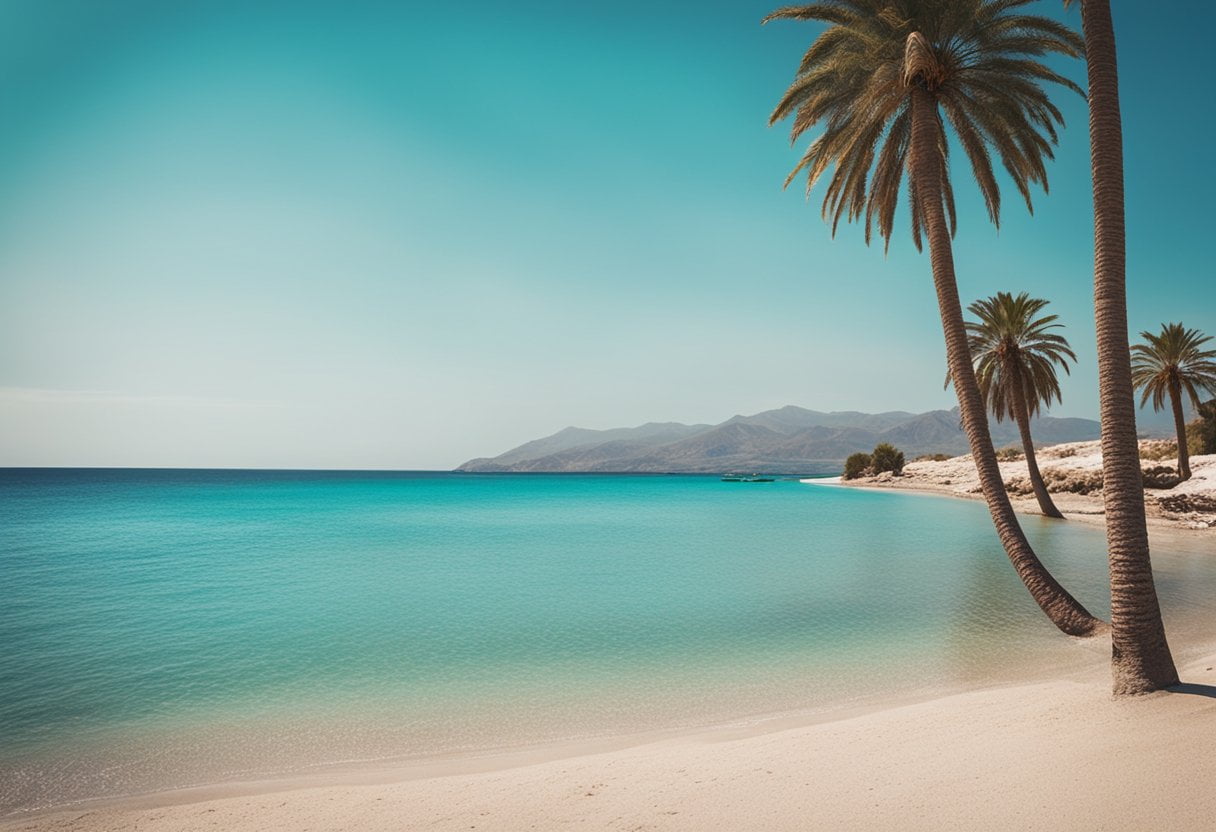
400	235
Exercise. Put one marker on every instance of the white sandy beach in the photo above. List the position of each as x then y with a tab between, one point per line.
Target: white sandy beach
1073	465
1049	755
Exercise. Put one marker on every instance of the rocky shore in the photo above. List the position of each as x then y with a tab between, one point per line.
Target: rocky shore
1073	474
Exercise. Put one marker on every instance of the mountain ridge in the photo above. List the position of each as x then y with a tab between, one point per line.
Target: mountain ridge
786	440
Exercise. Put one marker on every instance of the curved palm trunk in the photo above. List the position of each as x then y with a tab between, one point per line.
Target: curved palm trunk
1184	456
1140	655
1022	417
925	165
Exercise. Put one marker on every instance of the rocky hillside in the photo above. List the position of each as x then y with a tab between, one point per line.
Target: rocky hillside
789	440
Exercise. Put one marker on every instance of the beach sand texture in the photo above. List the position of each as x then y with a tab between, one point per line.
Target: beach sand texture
1070	465
1054	755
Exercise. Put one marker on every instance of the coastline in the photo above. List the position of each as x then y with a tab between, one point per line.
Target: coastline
538	786
940	763
1073	465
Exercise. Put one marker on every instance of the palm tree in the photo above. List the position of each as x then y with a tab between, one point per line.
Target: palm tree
1015	356
1140	655
883	80
1169	364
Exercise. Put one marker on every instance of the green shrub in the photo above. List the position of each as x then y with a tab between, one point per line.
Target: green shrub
887	457
857	465
1201	433
932	458
1194	438
1010	454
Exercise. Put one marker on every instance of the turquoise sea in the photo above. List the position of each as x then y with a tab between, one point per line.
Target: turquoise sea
160	629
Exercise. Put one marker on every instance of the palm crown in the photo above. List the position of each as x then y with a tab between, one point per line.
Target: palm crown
1174	355
1010	345
977	58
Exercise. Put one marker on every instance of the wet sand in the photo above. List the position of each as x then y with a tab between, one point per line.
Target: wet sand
1045	755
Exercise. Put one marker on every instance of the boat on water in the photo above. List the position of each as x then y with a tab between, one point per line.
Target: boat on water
740	478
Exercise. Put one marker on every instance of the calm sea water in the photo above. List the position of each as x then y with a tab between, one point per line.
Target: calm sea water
168	628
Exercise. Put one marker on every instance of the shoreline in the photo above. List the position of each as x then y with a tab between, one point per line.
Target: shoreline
490	760
1070	464
513	755
939	762
438	782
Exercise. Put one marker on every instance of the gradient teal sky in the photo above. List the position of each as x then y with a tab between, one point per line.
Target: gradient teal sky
397	235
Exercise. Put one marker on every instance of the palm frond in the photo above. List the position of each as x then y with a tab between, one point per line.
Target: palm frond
981	62
1012	343
1173	362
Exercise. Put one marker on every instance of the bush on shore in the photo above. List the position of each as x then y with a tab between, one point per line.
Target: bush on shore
1201	433
887	457
857	465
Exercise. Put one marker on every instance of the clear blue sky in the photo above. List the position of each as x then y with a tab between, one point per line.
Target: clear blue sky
393	235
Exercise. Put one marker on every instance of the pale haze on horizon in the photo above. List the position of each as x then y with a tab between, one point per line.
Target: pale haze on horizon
371	235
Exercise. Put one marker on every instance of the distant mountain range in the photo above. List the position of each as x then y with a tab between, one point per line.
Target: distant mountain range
790	440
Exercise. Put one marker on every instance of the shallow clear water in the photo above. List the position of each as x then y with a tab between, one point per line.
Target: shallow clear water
169	628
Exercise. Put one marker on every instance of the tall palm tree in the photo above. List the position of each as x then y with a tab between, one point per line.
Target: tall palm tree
1016	355
1169	364
883	80
1140	654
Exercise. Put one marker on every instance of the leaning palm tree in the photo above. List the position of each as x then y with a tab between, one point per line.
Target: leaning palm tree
1140	654
883	81
1168	365
1016	355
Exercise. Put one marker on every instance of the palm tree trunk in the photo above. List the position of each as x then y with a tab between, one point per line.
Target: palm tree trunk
1184	456
1140	655
1022	417
925	168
